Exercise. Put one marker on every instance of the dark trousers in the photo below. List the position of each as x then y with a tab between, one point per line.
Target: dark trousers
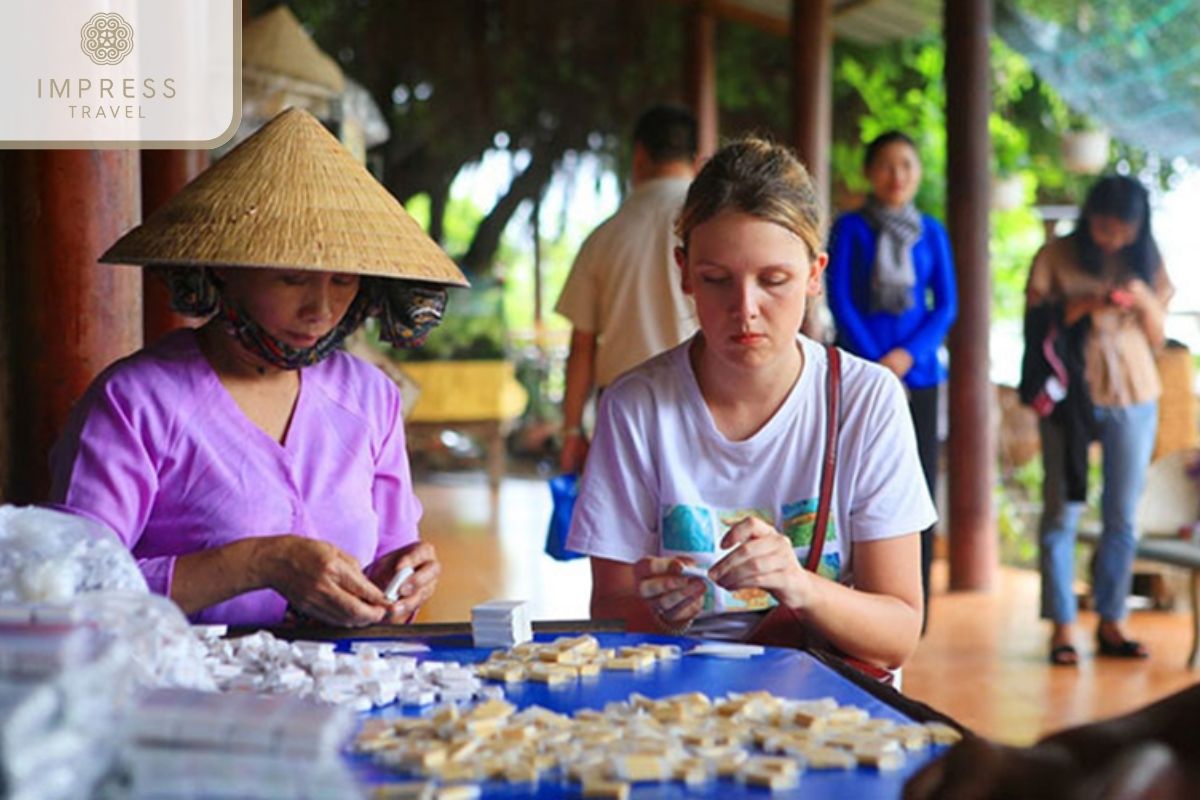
923	404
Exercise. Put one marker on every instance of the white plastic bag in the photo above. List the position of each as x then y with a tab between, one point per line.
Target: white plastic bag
50	556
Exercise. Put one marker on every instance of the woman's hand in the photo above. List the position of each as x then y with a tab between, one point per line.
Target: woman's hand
1081	307
899	361
418	587
319	579
673	598
1149	308
574	452
762	558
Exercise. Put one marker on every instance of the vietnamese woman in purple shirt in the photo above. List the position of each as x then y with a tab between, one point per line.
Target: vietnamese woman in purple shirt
250	465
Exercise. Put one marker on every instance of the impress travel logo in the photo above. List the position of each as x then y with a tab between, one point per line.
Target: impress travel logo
107	39
120	73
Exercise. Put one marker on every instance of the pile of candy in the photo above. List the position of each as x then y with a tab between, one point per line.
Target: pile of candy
369	676
756	738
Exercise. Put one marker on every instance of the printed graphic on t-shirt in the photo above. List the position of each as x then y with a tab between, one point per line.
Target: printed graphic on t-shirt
830	566
696	532
688	529
800	520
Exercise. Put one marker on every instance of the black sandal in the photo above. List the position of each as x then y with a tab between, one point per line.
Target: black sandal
1126	648
1065	655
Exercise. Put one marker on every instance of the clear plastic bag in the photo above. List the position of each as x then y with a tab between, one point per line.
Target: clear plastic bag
50	556
164	651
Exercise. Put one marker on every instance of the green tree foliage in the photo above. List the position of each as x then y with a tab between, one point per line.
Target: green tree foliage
455	77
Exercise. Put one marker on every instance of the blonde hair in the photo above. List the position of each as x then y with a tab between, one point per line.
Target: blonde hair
759	178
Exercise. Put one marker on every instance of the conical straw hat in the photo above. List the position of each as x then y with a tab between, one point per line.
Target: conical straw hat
277	44
289	197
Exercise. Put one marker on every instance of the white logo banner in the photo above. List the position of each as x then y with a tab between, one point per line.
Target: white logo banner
119	73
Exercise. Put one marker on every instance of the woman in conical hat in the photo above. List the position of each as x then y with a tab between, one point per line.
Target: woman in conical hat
250	465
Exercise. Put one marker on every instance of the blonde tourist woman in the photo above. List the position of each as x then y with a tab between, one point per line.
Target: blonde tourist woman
781	475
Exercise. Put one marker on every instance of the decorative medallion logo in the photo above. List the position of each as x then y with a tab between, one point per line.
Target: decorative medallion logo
106	38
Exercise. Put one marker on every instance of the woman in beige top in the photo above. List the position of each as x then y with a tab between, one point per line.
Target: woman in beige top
1108	276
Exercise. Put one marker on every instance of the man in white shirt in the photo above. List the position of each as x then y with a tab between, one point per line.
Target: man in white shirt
623	295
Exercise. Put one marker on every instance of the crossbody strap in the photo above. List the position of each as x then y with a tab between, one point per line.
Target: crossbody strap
833	393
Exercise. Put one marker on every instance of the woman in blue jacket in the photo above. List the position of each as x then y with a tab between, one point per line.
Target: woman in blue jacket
892	293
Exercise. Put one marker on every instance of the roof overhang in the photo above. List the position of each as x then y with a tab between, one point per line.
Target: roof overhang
863	21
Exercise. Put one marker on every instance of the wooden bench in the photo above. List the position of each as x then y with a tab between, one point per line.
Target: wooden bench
1175	552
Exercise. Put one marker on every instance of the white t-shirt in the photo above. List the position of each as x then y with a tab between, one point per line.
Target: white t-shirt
661	480
624	285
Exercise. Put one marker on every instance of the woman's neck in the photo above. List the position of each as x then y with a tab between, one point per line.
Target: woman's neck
742	401
231	360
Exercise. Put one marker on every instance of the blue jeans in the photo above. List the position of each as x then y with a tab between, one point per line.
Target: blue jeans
1127	440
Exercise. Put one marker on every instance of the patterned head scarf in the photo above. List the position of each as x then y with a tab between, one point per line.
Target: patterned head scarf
407	311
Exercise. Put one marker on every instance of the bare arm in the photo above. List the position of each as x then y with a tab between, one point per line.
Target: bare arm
879	619
317	577
581	376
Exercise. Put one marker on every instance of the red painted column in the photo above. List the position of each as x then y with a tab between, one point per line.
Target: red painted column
164	172
67	316
700	76
971	451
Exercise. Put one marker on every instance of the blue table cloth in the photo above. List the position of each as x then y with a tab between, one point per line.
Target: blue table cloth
786	673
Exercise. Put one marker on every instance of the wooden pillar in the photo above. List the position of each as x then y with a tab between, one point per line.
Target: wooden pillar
812	88
67	317
700	76
164	173
972	447
812	117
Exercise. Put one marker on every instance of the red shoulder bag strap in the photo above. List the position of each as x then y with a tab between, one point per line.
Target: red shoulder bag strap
833	392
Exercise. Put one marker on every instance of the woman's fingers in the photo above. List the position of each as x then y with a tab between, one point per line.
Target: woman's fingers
682	604
417	567
655	576
744	530
327	583
669	594
334	605
759	553
350	577
651	566
416	590
653	588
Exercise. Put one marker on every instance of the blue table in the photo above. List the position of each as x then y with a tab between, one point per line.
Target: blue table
787	673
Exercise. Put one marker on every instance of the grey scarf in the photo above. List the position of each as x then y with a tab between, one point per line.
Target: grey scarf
893	276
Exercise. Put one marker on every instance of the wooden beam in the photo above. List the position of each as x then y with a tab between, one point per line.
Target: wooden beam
972	448
779	23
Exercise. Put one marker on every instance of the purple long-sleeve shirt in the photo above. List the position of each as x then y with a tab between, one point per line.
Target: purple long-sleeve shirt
158	450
